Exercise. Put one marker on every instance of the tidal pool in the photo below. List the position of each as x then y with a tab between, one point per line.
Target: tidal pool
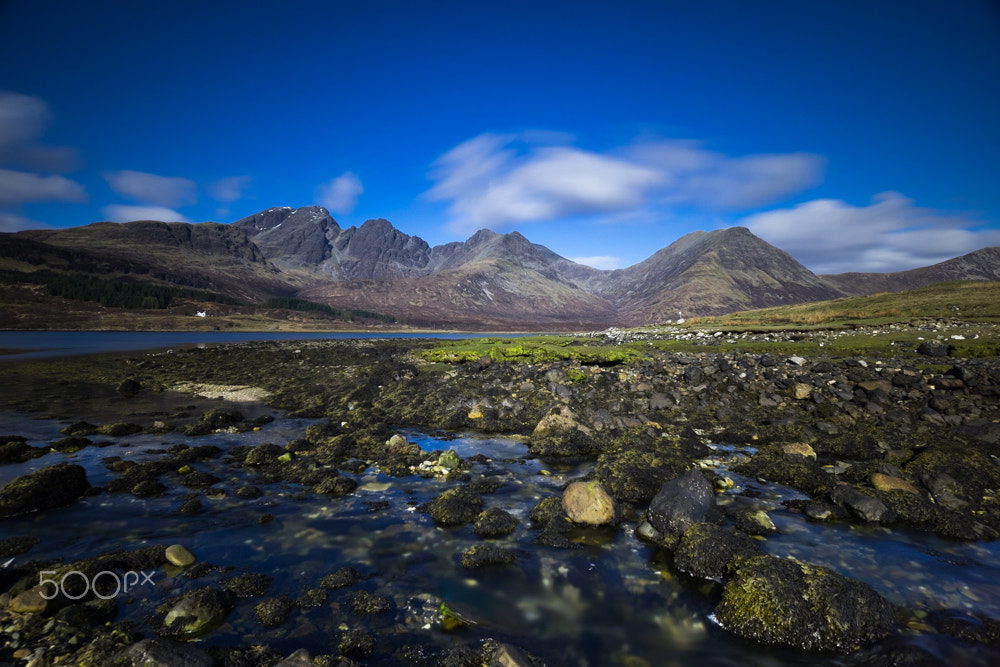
611	600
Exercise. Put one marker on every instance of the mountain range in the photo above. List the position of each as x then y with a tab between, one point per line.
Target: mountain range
489	281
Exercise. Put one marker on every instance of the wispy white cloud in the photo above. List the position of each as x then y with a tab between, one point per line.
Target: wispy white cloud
889	234
18	187
23	121
340	195
12	222
606	262
151	189
230	189
127	213
495	180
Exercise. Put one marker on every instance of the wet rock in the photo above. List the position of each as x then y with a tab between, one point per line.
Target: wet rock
119	429
159	653
248	492
784	601
194	614
274	612
70	444
485	555
299	658
683	501
800	450
15	449
31	601
494	522
884	482
343	578
862	505
179	555
128	387
357	644
334	485
705	550
635	475
560	433
261	455
509	655
449	460
249	585
79	428
454	507
54	486
370	604
588	503
15	546
148	488
755	522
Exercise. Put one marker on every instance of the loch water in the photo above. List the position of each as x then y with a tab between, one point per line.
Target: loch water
611	600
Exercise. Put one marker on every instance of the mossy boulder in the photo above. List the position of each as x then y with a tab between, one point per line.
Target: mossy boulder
454	507
681	502
485	555
784	601
494	522
705	550
54	486
589	504
194	614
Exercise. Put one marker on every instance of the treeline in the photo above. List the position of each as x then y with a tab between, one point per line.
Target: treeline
349	314
112	293
138	295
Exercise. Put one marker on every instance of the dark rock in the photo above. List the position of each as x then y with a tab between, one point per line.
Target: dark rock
862	505
343	578
273	612
160	653
119	429
70	444
683	501
129	387
932	348
706	550
43	489
357	644
245	586
194	614
454	507
79	428
15	546
484	555
694	374
784	601
494	522
370	604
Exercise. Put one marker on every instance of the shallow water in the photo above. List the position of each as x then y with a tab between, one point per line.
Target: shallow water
610	599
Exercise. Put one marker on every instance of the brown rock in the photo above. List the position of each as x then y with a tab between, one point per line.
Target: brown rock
588	503
884	482
801	391
798	449
30	601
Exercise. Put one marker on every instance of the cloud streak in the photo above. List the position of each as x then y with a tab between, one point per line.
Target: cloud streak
340	195
18	187
497	181
151	189
23	121
128	213
889	234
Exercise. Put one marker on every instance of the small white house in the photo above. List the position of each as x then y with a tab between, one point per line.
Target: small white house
200	313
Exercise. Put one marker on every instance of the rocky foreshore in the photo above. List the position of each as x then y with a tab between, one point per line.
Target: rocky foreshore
909	442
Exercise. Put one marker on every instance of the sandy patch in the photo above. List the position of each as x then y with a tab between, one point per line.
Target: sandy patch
228	392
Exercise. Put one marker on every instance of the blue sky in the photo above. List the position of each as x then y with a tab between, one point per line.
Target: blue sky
856	135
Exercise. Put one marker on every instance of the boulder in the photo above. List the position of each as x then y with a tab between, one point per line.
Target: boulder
861	505
706	550
932	348
589	503
160	653
54	486
681	502
784	601
196	613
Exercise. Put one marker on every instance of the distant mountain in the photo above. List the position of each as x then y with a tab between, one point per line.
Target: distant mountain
489	281
981	264
207	255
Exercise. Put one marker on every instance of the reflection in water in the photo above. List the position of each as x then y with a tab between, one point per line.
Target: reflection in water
610	600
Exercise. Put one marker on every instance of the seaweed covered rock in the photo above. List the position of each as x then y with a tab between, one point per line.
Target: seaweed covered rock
194	614
705	550
784	601
494	522
485	555
454	507
681	502
560	433
54	486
